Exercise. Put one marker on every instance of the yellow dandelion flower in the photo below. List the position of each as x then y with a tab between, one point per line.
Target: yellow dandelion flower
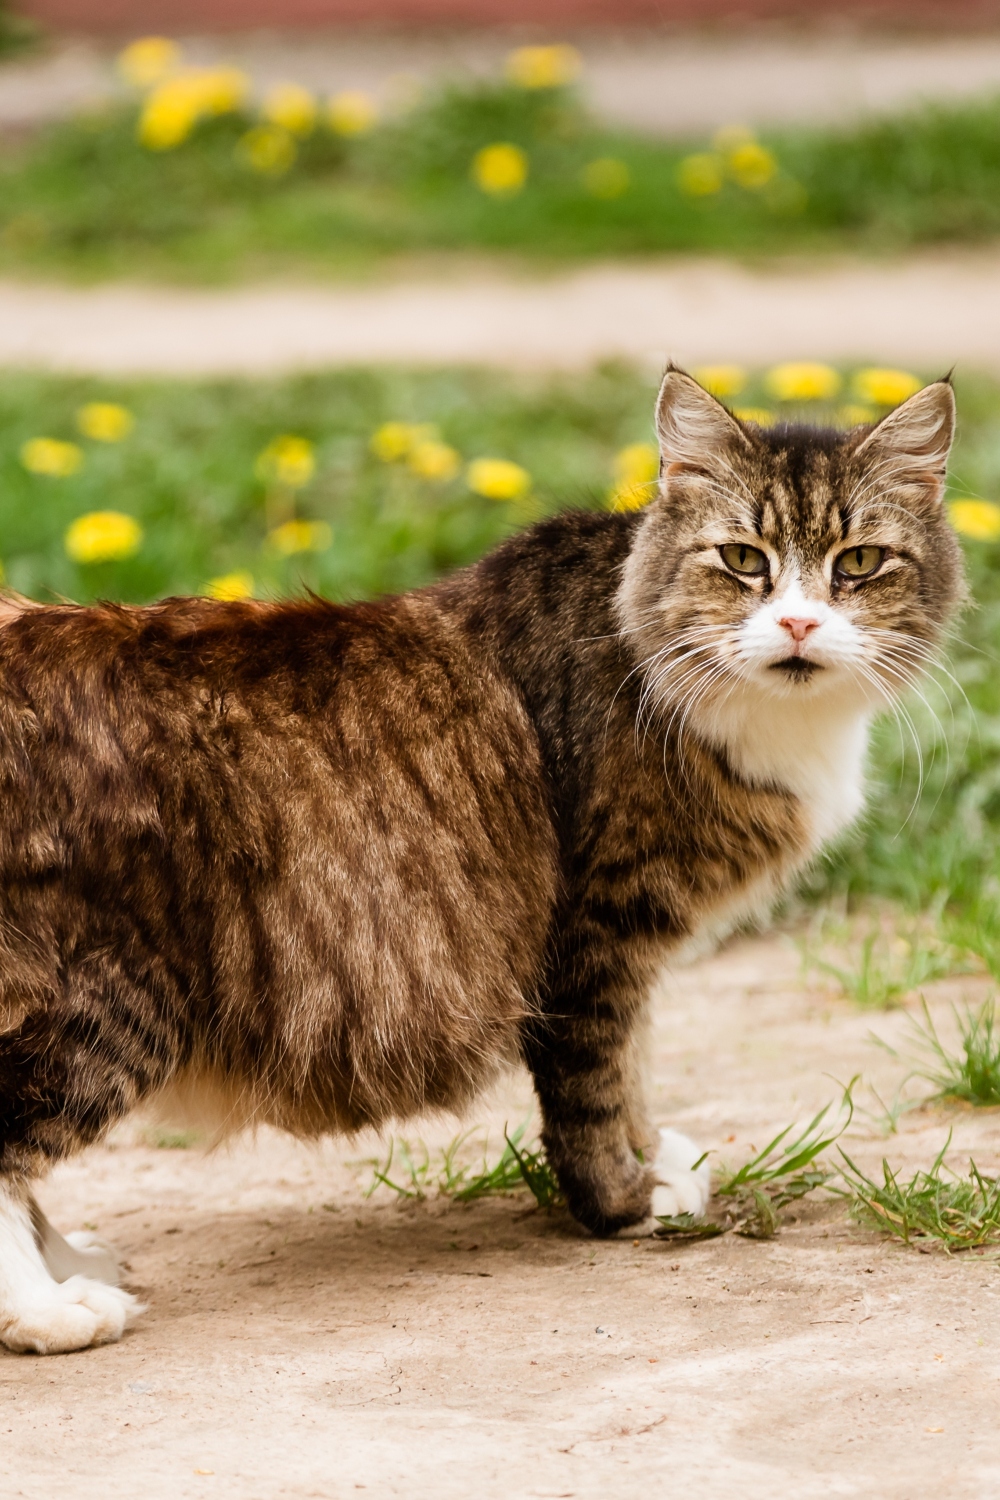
105	421
978	519
752	165
103	536
395	440
434	460
543	67
886	387
145	61
267	149
231	586
222	90
721	380
500	169
51	456
631	496
288	461
760	415
637	464
497	478
700	175
606	177
174	107
802	380
351	113
300	536
853	416
292	107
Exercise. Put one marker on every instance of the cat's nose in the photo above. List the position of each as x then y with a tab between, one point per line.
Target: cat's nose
798	626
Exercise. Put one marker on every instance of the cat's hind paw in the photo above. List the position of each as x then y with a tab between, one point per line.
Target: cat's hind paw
96	1258
74	1315
681	1186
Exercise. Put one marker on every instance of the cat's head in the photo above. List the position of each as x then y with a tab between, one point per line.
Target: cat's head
791	562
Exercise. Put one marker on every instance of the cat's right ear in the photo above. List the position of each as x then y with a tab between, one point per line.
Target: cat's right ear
693	428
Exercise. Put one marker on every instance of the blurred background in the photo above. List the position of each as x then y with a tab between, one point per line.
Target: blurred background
337	293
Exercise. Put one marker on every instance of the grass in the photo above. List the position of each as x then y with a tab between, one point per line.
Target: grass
971	1075
929	847
416	1171
890	960
956	1213
84	198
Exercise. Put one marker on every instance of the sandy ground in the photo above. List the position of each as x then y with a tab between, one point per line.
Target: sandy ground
662	81
303	1340
930	310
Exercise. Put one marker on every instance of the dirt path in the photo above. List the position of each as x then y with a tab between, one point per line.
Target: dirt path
304	1341
666	81
932	310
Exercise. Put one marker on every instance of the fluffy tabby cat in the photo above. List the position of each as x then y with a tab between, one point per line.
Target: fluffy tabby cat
330	867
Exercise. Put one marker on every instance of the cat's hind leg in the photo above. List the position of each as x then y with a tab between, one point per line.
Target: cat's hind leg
39	1312
80	1253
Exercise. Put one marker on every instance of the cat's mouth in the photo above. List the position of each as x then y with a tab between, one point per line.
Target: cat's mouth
796	668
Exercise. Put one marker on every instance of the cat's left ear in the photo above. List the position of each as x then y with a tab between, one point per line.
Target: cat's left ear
911	445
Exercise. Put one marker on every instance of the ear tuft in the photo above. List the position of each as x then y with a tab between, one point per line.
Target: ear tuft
693	428
913	442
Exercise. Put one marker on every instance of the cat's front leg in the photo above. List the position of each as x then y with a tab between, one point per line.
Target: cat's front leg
55	1295
616	1172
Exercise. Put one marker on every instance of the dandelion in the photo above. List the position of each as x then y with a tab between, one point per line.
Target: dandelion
395	440
44	455
497	479
434	460
886	387
721	380
752	165
145	61
300	536
173	109
636	469
291	107
606	177
978	519
351	113
103	536
803	381
268	149
760	415
500	169
543	67
105	421
287	461
700	175
231	586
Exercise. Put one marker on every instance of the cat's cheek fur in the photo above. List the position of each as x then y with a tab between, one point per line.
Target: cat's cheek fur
53	1298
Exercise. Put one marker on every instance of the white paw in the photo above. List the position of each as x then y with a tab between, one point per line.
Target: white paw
100	1263
73	1315
680	1190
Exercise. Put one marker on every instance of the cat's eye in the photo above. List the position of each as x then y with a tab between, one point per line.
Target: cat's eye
749	561
860	562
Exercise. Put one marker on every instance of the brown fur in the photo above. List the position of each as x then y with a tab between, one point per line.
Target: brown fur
342	864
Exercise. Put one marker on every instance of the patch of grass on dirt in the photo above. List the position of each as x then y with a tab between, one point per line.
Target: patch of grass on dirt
85	197
890	958
955	1213
413	1171
971	1075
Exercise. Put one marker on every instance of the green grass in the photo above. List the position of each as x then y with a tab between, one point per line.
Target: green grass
413	1171
952	1212
882	957
972	1074
83	197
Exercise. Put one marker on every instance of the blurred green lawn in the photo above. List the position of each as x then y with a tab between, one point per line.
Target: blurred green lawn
187	472
84	198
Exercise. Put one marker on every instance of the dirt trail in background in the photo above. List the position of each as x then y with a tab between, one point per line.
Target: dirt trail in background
665	82
304	1341
931	311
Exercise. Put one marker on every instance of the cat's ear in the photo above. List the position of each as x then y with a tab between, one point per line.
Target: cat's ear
911	445
693	428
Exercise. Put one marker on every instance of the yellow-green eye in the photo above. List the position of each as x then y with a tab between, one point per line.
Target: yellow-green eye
860	562
749	561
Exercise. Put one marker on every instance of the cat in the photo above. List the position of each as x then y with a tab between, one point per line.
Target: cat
325	867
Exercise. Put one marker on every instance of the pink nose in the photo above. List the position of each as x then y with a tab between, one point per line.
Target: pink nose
798	626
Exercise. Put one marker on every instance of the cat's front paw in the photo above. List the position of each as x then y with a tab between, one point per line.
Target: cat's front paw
74	1315
679	1189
